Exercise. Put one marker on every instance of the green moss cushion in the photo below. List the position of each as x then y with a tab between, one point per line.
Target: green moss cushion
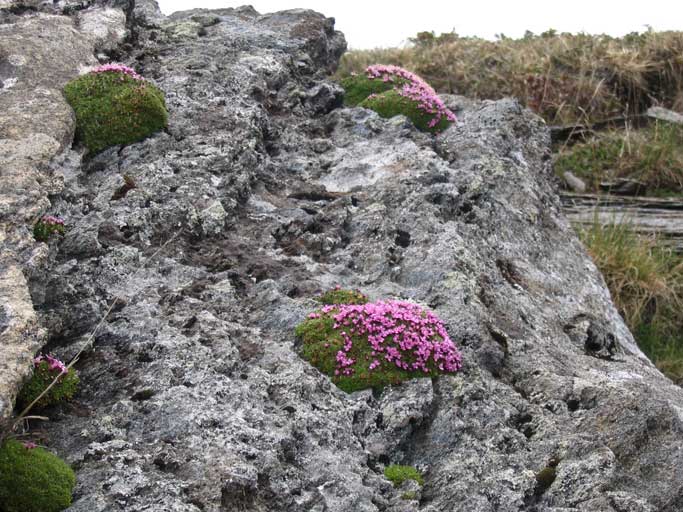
33	480
359	87
391	90
115	106
339	295
398	474
45	370
391	103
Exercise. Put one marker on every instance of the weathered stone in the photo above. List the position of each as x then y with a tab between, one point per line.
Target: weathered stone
36	124
261	194
105	25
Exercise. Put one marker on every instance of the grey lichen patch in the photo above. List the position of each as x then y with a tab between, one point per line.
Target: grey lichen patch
206	20
184	30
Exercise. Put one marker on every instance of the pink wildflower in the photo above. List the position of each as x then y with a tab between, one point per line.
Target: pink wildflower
51	220
398	332
52	363
413	88
117	68
30	445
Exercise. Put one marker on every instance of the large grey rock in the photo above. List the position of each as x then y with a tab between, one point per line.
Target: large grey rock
262	193
38	55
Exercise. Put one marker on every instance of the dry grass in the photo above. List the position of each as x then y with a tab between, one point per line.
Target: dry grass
646	283
565	78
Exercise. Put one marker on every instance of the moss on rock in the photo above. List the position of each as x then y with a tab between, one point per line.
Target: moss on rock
43	375
372	345
114	107
397	474
33	479
391	103
391	90
359	87
342	296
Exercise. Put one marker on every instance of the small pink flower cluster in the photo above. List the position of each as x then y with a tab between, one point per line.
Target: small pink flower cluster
398	332
51	220
52	363
117	68
413	88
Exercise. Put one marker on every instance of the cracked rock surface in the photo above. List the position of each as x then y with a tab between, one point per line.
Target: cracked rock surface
264	191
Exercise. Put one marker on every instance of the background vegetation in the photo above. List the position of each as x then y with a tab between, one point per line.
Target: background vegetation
565	78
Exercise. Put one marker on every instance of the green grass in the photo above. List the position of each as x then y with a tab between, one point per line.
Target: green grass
646	283
33	480
114	108
653	156
398	474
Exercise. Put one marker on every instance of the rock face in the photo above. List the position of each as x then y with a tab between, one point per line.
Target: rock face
264	192
36	124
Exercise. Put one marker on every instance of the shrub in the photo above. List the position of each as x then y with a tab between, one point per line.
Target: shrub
398	474
115	105
376	344
340	296
47	226
45	370
33	479
391	90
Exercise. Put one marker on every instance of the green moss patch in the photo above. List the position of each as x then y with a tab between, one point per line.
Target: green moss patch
372	345
359	87
115	108
398	474
341	296
33	480
43	375
391	103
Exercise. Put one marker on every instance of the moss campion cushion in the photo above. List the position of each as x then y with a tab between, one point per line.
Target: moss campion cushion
33	479
45	370
376	344
391	90
114	105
